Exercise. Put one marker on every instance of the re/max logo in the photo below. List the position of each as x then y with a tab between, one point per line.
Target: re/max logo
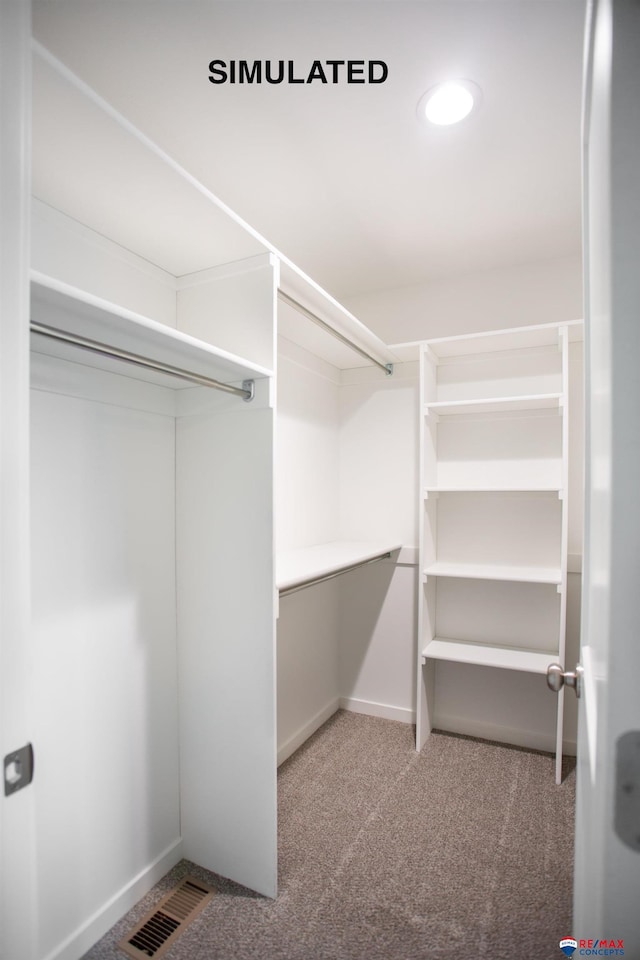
610	944
601	948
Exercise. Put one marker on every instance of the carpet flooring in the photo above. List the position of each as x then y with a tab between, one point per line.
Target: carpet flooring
463	851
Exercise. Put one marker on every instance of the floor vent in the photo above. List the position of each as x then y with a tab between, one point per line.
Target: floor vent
159	929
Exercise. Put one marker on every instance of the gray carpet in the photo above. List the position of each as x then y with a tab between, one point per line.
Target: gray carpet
463	851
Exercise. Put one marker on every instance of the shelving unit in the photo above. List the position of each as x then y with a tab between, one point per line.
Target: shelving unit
493	506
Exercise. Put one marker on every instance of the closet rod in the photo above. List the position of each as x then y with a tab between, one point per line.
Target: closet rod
387	367
331	576
246	391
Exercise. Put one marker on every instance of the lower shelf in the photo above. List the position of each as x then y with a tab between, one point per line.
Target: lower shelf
483	655
486	571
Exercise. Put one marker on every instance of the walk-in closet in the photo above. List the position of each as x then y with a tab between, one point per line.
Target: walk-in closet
246	509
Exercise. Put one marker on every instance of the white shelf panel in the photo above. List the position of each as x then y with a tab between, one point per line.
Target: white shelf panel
539	401
530	488
476	571
516	338
483	655
75	312
295	567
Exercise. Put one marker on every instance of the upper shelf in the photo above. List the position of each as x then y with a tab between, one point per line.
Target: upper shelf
516	338
475	344
77	313
306	564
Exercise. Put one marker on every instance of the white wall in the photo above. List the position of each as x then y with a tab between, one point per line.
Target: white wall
308	679
545	292
378	448
224	305
104	658
307	452
307	471
347	469
378	500
376	652
76	255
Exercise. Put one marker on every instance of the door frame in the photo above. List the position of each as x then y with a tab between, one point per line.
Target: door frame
17	835
607	870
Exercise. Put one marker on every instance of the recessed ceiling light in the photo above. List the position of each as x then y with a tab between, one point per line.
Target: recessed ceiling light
449	102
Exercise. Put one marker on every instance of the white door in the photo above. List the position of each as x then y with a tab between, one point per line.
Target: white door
607	876
16	806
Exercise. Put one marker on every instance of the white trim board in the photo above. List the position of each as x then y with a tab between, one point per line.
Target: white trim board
366	707
385	711
295	741
514	736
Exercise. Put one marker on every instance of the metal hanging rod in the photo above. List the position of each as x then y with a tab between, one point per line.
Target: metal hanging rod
331	576
94	346
387	367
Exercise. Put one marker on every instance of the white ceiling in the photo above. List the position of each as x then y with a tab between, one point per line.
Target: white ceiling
344	179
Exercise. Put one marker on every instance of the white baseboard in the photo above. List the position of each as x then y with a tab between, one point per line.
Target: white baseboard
102	920
299	737
493	731
373	709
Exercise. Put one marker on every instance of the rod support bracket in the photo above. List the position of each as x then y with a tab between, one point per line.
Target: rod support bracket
389	368
250	387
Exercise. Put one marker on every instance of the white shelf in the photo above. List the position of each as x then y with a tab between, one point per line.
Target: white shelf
75	312
295	567
496	341
477	571
483	655
531	488
533	401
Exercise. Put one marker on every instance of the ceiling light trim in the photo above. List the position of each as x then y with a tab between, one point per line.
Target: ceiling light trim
449	102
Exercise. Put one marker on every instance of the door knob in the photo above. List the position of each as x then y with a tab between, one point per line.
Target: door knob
557	677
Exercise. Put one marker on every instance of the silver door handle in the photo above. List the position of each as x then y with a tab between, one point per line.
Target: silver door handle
557	677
